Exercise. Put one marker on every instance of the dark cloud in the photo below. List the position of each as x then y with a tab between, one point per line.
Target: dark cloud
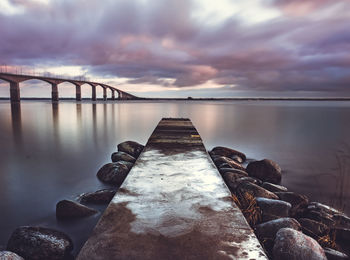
306	48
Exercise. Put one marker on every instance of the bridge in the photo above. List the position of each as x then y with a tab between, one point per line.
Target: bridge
15	79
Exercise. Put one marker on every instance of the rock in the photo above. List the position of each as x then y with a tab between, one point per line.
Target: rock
342	234
71	209
291	244
237	159
40	243
255	190
299	202
227	152
130	147
129	165
341	220
7	255
113	173
121	156
224	162
274	187
316	206
224	170
322	217
273	209
231	179
98	197
334	254
269	229
265	170
313	228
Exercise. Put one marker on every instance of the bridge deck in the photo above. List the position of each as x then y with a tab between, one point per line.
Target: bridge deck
173	205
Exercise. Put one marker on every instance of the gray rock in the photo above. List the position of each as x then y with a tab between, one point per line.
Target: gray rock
319	216
224	162
334	254
313	228
269	229
224	170
227	152
231	179
274	187
129	165
237	159
98	197
121	156
273	209
265	170
298	201
113	173
71	209
7	255
255	190
131	147
40	243
291	244
316	206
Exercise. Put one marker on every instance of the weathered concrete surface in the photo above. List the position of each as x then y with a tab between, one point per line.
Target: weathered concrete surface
173	205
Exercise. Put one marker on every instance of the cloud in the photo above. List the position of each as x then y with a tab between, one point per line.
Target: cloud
294	45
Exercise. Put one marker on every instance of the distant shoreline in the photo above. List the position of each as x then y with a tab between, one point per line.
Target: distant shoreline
208	99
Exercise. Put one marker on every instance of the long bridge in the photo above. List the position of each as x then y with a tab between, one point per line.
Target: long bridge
15	79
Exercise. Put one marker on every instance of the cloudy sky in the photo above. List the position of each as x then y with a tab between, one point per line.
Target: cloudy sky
179	48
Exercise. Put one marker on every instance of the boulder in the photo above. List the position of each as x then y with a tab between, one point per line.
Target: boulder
129	165
227	152
255	190
71	209
98	197
237	159
269	229
298	201
7	255
40	243
319	216
224	170
273	209
334	254
313	228
121	156
224	162
291	244
231	179
274	187
316	206
265	170
113	173
341	220
131	147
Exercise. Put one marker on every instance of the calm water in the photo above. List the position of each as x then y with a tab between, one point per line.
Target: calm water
50	152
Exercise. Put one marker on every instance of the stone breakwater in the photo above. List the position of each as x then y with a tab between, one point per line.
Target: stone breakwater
42	243
287	224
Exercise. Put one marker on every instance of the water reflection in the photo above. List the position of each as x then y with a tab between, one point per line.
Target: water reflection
53	151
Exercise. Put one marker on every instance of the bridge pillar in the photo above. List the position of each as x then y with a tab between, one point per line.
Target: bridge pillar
93	97
113	95
77	92
15	92
54	92
104	94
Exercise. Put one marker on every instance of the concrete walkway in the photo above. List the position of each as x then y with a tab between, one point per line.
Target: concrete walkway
173	205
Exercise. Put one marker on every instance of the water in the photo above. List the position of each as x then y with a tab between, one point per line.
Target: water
50	152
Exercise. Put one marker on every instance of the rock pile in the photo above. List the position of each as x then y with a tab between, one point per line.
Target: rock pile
287	224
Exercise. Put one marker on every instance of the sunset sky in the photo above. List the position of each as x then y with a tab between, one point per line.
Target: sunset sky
180	48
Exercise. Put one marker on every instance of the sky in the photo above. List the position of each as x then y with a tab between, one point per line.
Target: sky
180	48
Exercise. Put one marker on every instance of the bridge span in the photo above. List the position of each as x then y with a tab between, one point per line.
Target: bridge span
15	79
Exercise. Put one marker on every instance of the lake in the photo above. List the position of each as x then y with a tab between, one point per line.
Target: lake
50	152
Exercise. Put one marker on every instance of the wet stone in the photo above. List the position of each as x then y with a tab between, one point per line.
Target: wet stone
70	209
334	254
131	147
291	244
298	201
98	197
224	170
269	229
322	217
265	170
113	173
121	156
227	152
255	190
7	255
273	209
274	187
224	162
313	228
40	243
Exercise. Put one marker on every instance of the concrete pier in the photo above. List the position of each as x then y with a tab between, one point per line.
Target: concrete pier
54	92
173	205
